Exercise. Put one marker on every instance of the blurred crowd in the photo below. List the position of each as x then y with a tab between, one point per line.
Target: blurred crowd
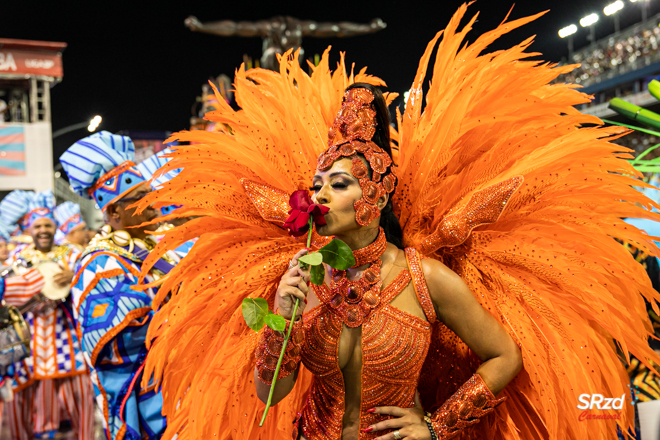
640	142
622	52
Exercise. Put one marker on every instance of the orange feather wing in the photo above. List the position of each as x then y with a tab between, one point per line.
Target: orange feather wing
503	180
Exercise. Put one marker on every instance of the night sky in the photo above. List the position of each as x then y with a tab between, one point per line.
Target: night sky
137	65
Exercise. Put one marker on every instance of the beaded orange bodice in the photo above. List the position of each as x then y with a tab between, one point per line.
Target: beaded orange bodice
394	347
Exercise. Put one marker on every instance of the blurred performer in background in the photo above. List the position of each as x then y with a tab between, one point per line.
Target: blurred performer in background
19	238
113	317
54	381
280	34
72	229
5	239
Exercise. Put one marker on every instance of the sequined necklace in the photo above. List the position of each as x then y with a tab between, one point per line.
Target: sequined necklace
35	256
355	300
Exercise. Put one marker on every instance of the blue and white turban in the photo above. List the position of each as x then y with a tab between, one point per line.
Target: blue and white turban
148	168
68	217
101	166
24	207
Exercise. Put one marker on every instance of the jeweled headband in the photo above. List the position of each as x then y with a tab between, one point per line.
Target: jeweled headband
351	134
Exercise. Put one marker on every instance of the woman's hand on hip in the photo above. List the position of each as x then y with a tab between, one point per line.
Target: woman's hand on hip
408	422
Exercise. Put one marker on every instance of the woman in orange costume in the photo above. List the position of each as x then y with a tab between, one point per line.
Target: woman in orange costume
496	179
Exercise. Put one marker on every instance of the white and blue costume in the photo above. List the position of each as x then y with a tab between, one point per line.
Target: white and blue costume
52	384
113	317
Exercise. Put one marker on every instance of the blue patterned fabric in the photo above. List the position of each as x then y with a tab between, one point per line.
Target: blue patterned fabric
183	250
14	206
24	207
68	356
68	217
6	230
104	157
114	349
148	168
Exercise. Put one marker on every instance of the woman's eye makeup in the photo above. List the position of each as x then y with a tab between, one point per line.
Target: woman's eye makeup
336	185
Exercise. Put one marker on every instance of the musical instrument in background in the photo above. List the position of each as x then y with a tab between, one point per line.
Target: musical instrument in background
14	337
50	294
15	334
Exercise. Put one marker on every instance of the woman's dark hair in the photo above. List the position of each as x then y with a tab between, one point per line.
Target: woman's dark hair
388	221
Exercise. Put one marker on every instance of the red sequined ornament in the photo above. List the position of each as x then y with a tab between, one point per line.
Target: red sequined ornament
350	135
354	300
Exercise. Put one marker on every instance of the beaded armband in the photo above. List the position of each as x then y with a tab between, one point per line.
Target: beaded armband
463	409
269	349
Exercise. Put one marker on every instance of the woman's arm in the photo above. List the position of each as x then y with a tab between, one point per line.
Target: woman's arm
293	285
460	311
282	388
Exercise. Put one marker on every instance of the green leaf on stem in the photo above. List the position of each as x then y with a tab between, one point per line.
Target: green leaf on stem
337	255
317	274
313	259
276	322
254	312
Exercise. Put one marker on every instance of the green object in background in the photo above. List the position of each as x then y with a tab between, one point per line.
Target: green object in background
646	117
635	113
654	89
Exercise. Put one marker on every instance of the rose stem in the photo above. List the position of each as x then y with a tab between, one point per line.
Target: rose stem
286	339
279	364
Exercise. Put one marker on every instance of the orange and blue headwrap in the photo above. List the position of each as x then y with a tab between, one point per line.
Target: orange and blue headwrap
101	167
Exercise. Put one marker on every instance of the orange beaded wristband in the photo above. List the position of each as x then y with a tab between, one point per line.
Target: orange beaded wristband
463	409
269	349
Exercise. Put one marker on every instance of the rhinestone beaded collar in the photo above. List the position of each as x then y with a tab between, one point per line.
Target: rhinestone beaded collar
355	300
372	252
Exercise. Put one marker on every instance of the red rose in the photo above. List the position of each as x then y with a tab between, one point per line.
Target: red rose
302	208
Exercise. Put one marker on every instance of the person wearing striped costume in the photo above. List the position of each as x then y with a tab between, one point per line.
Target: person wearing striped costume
5	239
53	384
5	231
72	229
113	318
19	239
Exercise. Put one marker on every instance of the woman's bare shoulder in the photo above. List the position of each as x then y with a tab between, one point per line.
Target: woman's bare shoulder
443	283
395	256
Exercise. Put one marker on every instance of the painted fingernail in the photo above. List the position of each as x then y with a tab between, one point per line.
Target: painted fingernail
369	429
371	410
